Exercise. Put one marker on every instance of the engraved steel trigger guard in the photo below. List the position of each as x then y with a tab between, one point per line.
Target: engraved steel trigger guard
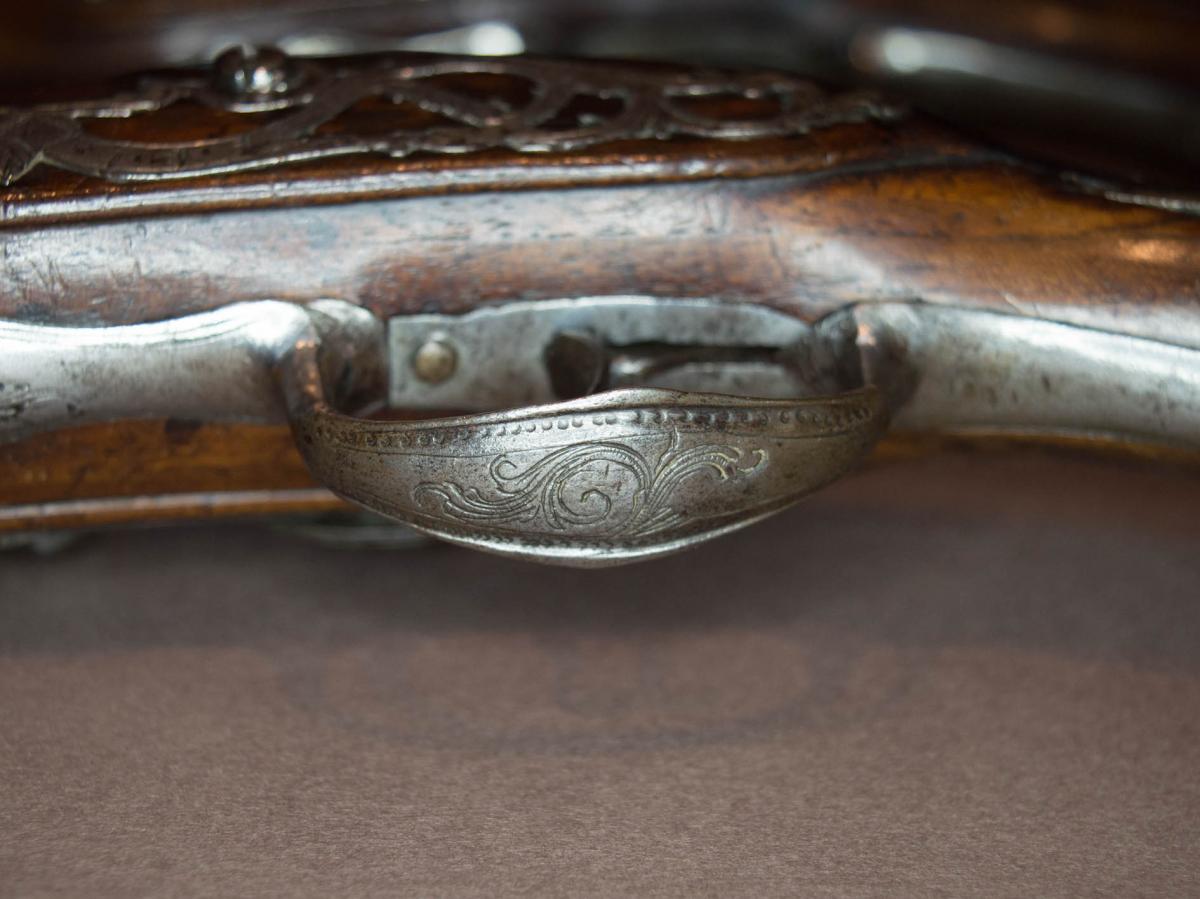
620	475
626	474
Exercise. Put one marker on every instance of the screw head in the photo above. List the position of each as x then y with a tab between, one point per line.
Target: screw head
435	360
253	71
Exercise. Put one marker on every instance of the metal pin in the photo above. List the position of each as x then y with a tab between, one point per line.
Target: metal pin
435	360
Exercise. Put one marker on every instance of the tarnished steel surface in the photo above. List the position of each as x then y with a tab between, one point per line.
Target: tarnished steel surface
559	107
624	475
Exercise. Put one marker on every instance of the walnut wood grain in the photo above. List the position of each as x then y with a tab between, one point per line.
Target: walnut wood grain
153	470
980	236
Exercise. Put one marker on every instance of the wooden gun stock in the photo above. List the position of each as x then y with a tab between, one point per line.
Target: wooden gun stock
972	292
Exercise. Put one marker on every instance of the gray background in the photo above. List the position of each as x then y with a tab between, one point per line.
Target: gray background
953	676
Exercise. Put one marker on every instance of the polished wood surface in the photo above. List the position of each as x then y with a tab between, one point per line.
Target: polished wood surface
938	229
153	470
982	235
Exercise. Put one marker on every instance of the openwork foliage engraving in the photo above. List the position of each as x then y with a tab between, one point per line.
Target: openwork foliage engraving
569	106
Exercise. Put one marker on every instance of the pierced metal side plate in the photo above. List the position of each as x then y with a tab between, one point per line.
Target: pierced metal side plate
649	105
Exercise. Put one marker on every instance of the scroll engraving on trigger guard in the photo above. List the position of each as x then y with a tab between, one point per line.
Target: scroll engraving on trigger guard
607	488
628	474
304	124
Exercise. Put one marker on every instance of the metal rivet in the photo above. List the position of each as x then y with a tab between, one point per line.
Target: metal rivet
435	360
253	72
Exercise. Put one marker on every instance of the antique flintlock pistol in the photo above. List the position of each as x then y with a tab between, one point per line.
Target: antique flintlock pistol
573	312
